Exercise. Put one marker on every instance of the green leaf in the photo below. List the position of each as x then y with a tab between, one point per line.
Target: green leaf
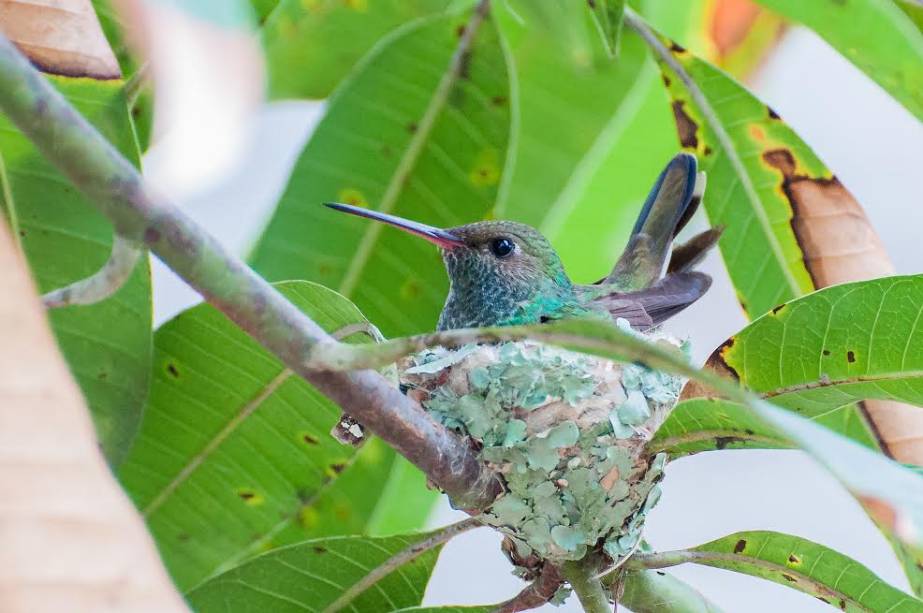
872	34
788	221
234	456
311	46
805	566
609	15
431	147
108	344
262	8
654	591
707	424
747	184
838	345
313	574
914	10
579	177
142	107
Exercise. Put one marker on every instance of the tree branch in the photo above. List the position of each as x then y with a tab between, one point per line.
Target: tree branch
103	283
537	593
116	188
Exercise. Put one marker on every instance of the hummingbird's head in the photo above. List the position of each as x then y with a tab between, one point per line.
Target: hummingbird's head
492	265
504	254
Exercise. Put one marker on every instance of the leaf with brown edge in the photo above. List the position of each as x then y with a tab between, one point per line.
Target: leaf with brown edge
62	38
796	563
68	525
790	225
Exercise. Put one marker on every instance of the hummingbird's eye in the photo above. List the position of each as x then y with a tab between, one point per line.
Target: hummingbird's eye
502	247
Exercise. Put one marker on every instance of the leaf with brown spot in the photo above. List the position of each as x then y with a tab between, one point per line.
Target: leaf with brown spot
439	135
302	573
64	237
236	454
821	572
790	226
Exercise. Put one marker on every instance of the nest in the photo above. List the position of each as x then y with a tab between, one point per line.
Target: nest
566	430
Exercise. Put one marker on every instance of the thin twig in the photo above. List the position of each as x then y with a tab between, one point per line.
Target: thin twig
114	185
537	593
104	282
399	559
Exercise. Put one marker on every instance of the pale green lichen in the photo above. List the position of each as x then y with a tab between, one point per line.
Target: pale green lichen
566	430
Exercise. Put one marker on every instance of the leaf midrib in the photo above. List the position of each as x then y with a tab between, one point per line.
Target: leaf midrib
896	377
411	154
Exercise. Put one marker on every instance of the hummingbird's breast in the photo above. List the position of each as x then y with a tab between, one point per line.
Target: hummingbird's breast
483	295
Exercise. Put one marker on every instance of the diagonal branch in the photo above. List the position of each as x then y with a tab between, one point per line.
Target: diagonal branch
117	189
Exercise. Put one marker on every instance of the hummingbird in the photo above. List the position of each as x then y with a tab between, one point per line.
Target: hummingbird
504	273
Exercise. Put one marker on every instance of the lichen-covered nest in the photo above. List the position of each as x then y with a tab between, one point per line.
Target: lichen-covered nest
566	430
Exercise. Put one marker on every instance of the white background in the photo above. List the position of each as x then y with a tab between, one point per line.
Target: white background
876	149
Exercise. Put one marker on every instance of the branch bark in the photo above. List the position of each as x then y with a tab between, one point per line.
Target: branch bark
115	186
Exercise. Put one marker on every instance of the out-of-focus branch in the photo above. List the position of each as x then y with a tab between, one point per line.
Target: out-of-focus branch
116	188
105	282
71	539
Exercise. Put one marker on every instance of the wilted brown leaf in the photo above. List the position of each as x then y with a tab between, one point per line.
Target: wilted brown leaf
71	540
60	37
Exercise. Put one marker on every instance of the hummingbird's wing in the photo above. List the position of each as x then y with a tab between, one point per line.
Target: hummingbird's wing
669	206
685	257
650	306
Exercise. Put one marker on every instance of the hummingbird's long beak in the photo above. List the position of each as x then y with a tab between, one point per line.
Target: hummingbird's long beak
439	237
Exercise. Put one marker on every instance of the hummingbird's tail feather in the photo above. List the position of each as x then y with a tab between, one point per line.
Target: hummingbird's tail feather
653	305
669	206
688	255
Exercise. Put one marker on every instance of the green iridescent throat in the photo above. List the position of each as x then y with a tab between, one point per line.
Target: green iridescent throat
483	294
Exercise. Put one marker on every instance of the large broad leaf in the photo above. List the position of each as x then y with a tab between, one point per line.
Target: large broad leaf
790	225
813	355
875	35
108	345
430	147
311	46
707	424
234	456
311	576
838	345
802	565
580	177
